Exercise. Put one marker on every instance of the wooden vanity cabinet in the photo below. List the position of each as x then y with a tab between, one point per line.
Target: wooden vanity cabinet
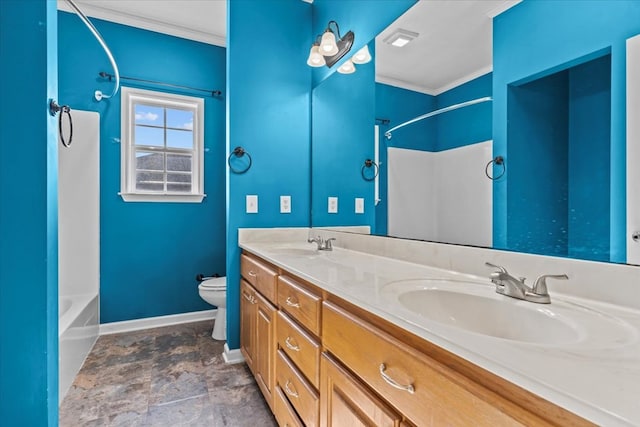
257	323
298	338
346	402
247	323
320	360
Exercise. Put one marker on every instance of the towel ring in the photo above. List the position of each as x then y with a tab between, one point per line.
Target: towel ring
499	160
239	152
367	164
54	109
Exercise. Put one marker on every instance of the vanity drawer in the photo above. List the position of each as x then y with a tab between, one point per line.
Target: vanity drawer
303	305
381	360
283	411
301	348
260	275
299	392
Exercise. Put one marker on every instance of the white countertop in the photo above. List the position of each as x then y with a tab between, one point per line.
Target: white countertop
597	378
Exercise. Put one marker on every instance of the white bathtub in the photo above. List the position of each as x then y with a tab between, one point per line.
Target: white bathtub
78	325
78	245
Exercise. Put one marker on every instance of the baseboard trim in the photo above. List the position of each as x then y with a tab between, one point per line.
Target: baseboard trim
232	356
155	322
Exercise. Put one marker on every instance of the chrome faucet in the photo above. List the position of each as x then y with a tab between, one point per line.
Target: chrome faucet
323	245
515	287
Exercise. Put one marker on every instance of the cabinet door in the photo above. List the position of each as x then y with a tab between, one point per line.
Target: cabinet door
265	347
346	402
248	304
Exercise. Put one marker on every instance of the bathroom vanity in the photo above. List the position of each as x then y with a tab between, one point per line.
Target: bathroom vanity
337	338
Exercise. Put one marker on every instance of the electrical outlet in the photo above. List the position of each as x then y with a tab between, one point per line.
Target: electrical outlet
252	203
333	205
359	205
285	204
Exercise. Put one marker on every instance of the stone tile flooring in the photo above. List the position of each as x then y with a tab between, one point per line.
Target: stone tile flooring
171	376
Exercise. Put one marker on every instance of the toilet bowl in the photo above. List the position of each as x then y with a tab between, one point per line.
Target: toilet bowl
214	291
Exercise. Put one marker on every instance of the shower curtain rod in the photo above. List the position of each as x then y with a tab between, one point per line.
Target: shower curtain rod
388	133
98	93
106	75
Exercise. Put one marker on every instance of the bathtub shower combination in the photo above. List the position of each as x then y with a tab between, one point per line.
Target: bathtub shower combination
78	245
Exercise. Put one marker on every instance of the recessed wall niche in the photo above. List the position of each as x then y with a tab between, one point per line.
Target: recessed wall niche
558	146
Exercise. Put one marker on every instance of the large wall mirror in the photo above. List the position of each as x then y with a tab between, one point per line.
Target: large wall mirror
530	152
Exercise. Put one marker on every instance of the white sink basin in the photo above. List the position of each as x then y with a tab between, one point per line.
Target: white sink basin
488	316
297	251
476	308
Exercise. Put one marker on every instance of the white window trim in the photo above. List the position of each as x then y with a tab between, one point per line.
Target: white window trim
130	96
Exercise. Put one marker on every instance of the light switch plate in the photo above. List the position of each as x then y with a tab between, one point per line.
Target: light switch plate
252	203
359	205
333	205
285	204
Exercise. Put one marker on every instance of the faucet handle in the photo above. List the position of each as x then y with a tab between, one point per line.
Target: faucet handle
500	268
540	285
327	243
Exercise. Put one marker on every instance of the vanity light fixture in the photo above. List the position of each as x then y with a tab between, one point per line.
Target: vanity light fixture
330	47
362	56
400	37
315	57
347	67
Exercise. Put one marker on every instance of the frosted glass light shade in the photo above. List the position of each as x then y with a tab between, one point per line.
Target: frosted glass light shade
328	46
362	56
347	67
315	57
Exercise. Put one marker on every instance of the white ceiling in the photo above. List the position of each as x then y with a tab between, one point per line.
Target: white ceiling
453	47
200	20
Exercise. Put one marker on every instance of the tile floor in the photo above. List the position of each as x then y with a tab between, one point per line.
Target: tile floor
171	376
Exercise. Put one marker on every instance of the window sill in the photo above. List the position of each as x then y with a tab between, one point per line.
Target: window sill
162	198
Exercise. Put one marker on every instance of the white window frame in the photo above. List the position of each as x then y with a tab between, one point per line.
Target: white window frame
130	97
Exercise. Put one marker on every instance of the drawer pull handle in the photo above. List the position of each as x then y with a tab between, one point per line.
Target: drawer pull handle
393	383
253	273
291	346
253	300
290	303
289	391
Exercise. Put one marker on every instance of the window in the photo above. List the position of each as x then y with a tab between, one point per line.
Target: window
162	147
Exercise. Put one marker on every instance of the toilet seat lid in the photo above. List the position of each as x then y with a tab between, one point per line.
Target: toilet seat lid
215	283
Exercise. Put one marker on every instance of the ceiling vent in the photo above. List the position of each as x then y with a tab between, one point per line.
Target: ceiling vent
400	37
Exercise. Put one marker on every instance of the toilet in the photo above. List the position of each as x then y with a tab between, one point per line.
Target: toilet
214	291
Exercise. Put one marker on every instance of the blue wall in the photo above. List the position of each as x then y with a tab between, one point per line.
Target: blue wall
539	37
468	125
589	165
538	166
338	155
28	215
268	114
150	252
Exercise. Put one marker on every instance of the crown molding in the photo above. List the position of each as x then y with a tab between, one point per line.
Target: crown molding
145	23
404	85
462	80
431	91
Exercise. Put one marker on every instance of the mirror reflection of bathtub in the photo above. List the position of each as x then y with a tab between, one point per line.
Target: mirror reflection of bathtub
78	245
